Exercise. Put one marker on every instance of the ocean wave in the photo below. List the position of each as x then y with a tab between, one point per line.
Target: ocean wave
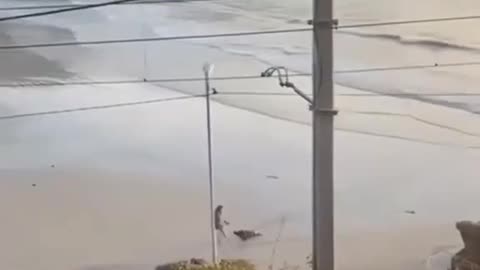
238	53
26	64
285	50
258	53
430	43
274	10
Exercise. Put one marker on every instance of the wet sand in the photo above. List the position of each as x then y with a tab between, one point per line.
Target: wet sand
141	199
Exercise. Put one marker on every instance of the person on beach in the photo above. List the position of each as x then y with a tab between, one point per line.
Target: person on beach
219	222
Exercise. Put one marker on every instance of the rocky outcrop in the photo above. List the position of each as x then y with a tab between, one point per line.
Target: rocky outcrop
469	257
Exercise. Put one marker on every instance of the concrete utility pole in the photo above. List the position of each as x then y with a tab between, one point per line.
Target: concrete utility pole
323	114
207	70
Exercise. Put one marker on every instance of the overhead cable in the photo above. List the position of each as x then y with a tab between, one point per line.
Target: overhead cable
98	107
267	93
138	81
63	10
14	8
237	77
403	22
152	39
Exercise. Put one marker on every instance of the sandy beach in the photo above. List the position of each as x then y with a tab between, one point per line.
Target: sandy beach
141	199
127	188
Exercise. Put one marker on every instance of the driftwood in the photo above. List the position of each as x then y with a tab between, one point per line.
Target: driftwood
247	234
469	257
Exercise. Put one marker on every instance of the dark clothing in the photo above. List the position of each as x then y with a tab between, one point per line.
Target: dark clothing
218	219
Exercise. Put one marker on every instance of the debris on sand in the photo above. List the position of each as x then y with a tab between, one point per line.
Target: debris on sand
247	234
411	212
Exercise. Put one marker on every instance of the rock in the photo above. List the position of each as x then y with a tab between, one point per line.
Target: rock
198	261
469	257
247	234
470	233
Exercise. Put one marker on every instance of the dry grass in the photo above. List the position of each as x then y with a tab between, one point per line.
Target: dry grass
223	265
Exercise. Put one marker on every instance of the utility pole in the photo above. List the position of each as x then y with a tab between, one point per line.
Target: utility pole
145	46
208	69
323	114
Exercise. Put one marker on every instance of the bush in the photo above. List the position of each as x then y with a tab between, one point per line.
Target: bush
223	265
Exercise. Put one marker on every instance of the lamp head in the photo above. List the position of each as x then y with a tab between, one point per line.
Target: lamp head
208	68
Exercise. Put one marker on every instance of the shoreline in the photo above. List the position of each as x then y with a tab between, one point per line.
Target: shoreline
27	65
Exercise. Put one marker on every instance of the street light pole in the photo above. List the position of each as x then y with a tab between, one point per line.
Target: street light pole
208	69
323	116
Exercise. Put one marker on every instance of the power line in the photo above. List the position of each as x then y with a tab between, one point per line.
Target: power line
416	118
99	107
346	26
141	81
14	8
252	93
160	100
152	39
63	10
447	94
245	77
428	20
408	67
38	7
266	93
204	36
409	139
